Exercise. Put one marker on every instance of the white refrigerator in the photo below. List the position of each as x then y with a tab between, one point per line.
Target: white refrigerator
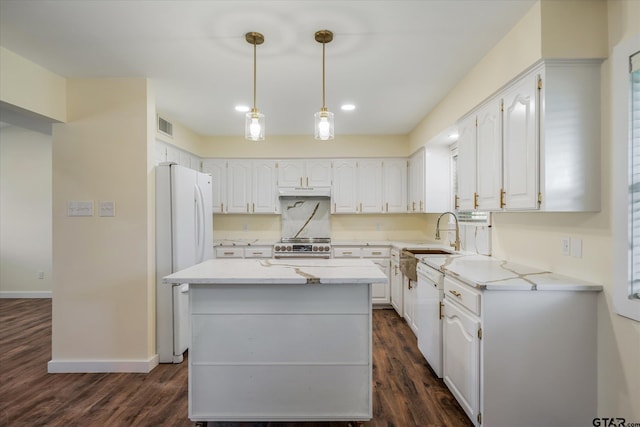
184	237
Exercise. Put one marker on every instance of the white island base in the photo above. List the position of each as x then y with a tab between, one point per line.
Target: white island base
278	340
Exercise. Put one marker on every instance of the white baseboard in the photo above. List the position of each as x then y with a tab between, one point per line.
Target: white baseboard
101	366
33	294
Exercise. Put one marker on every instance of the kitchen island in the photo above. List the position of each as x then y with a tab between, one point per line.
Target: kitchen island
280	340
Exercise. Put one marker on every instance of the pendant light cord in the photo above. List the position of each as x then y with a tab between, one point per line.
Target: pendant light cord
254	76
323	87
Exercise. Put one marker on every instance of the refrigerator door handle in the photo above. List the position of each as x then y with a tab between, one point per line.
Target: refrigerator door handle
200	227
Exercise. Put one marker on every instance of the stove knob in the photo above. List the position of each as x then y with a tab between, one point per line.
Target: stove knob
315	249
326	248
289	248
277	248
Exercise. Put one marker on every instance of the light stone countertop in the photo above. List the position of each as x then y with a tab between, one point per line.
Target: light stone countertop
280	271
493	274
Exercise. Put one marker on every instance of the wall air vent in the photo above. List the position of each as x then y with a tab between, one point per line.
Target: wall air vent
165	126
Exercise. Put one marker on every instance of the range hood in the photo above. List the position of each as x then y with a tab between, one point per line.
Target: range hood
304	191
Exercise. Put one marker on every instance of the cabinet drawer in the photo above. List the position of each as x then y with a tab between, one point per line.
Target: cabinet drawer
375	252
347	252
258	252
229	252
462	294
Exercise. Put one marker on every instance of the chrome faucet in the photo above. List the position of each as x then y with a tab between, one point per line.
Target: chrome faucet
456	244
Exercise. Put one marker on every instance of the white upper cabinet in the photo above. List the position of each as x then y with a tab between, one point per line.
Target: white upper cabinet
416	178
480	158
520	133
394	185
429	180
536	144
467	148
243	185
265	187
239	186
370	186
304	173
345	181
218	171
489	155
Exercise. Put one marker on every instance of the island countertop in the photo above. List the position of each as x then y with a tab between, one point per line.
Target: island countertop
282	271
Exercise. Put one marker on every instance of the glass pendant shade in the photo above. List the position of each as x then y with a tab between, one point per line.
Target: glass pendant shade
324	125
254	126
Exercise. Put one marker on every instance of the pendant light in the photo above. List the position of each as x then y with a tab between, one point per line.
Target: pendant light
323	118
254	122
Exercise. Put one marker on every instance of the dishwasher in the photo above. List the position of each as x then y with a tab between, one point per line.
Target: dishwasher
429	298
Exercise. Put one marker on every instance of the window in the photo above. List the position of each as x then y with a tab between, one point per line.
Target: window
634	174
625	116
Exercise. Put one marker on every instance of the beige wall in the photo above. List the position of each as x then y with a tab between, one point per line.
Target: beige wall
279	146
25	212
182	137
103	287
31	87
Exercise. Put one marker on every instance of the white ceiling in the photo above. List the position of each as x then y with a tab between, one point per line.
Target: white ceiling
395	60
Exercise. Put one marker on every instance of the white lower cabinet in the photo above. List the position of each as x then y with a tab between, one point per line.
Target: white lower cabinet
395	280
461	354
410	303
380	292
519	357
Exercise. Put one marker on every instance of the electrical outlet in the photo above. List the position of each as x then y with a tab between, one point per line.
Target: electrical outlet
576	247
40	274
566	246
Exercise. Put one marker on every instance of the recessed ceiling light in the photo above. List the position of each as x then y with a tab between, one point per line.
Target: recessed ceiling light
242	108
348	107
453	136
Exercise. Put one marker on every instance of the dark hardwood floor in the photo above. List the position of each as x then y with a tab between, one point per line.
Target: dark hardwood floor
405	391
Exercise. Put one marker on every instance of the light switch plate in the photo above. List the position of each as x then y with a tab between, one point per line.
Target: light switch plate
80	208
566	246
107	208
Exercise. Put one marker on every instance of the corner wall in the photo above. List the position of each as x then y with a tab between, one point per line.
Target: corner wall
25	213
104	267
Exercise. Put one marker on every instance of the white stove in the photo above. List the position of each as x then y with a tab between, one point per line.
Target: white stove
302	250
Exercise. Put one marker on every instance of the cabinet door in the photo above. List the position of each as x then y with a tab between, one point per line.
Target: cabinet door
218	171
290	173
318	173
370	186
418	181
380	292
264	188
489	156
466	169
345	174
396	288
520	144
239	186
409	302
461	357
394	185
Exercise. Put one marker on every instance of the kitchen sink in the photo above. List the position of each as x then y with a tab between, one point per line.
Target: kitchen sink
429	251
409	260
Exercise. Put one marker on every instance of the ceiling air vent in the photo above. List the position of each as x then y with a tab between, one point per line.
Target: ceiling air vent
165	126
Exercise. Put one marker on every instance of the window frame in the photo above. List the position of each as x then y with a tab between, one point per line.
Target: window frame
623	303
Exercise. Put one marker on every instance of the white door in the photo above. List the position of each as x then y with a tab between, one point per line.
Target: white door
238	186
396	288
380	291
218	171
467	163
318	173
290	173
394	184
489	155
430	323
370	186
264	187
183	211
461	357
520	145
181	323
204	230
345	181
